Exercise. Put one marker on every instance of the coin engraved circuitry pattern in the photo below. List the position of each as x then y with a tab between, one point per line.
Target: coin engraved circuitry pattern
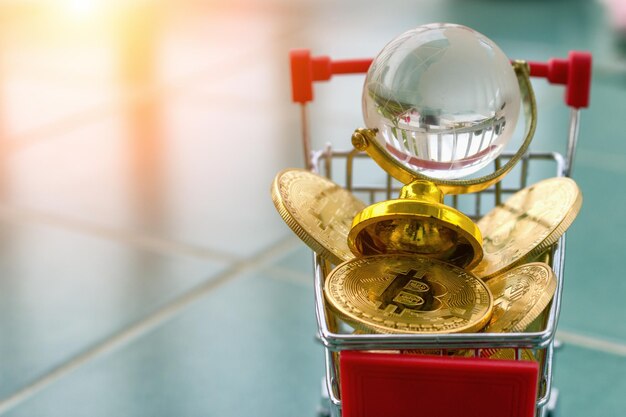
319	211
528	223
520	295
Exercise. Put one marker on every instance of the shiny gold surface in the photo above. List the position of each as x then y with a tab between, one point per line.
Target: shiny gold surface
431	352
527	224
520	295
407	294
419	223
508	354
545	257
319	211
365	140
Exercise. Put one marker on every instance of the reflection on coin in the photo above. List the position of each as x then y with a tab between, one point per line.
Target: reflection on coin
407	294
524	354
435	352
319	211
431	352
519	296
528	223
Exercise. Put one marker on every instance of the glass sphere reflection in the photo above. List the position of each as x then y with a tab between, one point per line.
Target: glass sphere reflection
444	98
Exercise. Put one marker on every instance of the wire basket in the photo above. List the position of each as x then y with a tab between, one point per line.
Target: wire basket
343	167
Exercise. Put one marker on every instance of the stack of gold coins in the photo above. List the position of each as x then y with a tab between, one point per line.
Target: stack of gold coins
407	293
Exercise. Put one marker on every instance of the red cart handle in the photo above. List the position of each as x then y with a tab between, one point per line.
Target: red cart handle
573	72
305	70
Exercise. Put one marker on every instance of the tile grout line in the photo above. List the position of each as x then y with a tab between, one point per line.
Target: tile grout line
152	243
146	324
172	309
282	274
592	343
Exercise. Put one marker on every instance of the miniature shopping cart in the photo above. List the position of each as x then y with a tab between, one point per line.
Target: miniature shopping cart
366	374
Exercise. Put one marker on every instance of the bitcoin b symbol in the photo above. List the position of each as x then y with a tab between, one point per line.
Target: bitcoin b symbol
406	290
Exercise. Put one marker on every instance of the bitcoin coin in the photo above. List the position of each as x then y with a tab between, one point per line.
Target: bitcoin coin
398	293
519	297
319	211
437	352
527	224
524	354
431	352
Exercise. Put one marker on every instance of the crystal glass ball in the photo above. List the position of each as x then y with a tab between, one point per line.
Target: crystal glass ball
444	98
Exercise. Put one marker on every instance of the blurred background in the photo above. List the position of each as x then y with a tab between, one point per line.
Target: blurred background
144	270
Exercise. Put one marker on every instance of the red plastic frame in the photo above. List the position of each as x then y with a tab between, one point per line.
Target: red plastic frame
379	384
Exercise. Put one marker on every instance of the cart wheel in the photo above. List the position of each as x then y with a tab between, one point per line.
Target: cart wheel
323	409
552	406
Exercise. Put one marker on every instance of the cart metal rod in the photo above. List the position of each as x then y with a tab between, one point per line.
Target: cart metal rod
546	374
331	379
572	139
504	155
306	138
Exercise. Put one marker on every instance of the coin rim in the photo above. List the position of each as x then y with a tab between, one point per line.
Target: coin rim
279	202
537	308
548	241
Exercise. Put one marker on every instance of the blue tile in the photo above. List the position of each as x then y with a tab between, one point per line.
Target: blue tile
594	286
299	260
246	349
590	383
220	173
188	184
62	292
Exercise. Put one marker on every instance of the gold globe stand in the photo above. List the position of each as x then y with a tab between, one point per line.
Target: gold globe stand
418	222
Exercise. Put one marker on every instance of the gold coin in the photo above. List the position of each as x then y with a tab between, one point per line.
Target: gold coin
519	297
509	354
398	293
319	211
431	352
527	224
436	352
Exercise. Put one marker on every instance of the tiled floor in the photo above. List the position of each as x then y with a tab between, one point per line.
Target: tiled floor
144	271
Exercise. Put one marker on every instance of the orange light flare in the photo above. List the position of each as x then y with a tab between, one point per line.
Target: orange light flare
128	30
83	9
63	19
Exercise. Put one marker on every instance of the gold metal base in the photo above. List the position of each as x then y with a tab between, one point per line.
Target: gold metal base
418	223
